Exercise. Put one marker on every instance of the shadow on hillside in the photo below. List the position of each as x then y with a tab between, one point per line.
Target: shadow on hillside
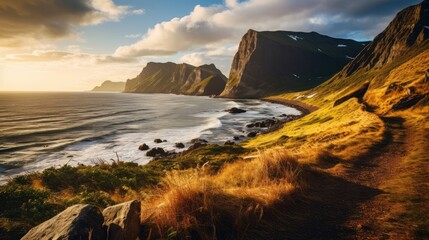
318	213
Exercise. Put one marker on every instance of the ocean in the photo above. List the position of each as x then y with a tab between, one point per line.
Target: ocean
41	130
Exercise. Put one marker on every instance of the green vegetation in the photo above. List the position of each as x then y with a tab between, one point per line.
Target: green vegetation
30	199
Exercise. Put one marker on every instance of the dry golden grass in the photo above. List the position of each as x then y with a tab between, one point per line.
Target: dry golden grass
346	131
408	78
201	205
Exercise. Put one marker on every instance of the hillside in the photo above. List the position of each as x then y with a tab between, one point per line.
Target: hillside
109	86
178	79
373	121
273	62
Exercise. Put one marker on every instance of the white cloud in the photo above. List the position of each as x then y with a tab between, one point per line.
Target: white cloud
108	9
134	35
226	23
222	57
138	11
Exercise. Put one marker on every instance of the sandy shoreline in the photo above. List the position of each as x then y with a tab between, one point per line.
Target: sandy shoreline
303	107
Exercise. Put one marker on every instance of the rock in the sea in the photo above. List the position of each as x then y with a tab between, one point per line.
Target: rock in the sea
123	221
235	110
78	222
155	152
250	125
179	145
252	134
236	138
157	140
143	147
229	143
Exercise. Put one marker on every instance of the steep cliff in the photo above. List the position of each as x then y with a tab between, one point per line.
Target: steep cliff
394	67
109	86
177	78
409	28
273	62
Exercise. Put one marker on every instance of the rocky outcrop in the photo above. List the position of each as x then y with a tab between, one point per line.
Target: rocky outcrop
123	221
174	78
274	62
109	86
86	222
77	222
409	28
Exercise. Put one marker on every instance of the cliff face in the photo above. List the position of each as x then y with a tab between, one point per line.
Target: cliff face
109	86
392	72
273	62
409	28
178	79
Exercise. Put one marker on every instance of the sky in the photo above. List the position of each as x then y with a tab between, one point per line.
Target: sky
74	45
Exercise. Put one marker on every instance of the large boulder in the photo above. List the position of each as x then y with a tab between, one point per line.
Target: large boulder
156	152
123	221
144	147
78	222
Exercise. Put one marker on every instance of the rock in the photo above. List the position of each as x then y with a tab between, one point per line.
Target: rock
184	79
236	138
143	147
179	145
229	143
164	140
250	125
157	140
235	110
198	140
155	152
123	221
252	134
81	221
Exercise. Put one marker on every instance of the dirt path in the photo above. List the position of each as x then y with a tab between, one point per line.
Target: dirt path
383	163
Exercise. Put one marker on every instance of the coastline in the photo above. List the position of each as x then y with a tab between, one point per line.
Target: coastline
303	107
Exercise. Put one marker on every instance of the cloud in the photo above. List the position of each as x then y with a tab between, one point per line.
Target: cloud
72	55
226	23
135	35
138	11
222	56
25	22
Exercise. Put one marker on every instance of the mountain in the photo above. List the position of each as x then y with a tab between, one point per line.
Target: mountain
392	69
409	28
178	79
273	62
373	117
109	86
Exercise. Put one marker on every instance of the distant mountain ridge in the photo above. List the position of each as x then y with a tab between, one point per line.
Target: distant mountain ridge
273	62
175	78
110	86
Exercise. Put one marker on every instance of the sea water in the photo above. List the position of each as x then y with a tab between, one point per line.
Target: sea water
41	130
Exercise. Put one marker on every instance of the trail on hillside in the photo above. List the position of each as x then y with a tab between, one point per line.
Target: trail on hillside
380	165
